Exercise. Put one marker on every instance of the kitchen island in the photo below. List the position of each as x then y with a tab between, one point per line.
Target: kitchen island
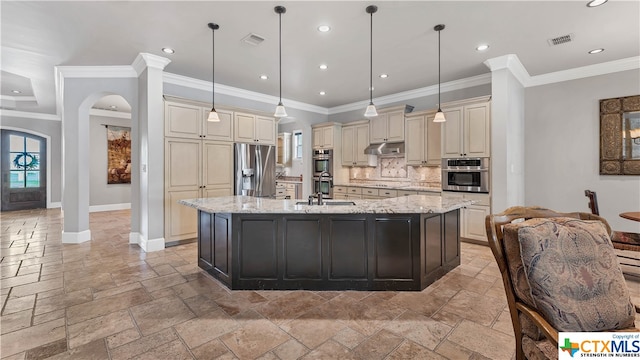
403	243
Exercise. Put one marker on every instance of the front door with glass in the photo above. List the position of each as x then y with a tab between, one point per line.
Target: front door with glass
23	166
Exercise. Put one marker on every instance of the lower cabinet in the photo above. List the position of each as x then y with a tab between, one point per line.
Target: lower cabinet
472	217
328	251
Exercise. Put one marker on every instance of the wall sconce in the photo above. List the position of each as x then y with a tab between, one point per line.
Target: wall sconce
635	135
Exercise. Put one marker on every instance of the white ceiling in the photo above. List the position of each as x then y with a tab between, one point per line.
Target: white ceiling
36	36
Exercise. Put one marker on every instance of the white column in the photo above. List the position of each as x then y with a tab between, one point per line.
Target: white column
507	132
151	144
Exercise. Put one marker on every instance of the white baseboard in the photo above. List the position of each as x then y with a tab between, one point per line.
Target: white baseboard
54	205
151	245
109	207
134	238
76	237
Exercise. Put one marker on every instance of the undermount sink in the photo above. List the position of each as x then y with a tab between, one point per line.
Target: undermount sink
328	203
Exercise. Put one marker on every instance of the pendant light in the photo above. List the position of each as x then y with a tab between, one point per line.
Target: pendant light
280	111
371	109
439	115
213	115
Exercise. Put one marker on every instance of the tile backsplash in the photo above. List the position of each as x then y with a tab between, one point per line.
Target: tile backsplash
395	170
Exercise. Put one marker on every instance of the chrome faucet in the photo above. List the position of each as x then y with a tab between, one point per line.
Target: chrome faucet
320	181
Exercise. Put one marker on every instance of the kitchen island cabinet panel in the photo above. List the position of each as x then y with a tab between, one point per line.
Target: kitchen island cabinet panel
257	242
303	259
451	233
395	239
205	248
348	250
222	245
433	254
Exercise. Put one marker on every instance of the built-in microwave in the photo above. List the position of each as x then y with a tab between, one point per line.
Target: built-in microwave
322	161
466	175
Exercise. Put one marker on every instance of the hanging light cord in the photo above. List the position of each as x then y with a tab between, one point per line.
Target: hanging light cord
213	67
439	70
280	52
371	62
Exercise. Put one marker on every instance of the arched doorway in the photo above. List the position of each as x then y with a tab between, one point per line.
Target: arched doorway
23	167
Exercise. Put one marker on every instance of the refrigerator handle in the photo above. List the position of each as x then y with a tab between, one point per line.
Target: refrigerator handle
259	170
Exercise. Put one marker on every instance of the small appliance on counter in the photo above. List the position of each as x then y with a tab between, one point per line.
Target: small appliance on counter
255	170
466	175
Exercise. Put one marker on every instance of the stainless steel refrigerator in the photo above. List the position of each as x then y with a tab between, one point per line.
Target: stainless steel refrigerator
255	170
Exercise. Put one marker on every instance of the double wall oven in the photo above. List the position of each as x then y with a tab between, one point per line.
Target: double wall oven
466	175
323	165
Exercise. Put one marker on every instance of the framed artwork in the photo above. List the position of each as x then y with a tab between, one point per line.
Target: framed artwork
620	136
118	155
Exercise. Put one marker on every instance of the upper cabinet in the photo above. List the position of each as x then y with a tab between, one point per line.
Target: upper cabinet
189	120
466	133
355	138
388	126
283	150
422	139
250	128
324	135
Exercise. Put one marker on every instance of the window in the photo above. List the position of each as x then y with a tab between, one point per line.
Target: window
24	156
297	144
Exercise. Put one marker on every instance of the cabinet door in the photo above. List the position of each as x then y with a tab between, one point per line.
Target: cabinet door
265	130
180	222
317	138
361	143
395	126
414	145
348	139
327	137
378	126
222	130
433	141
474	226
217	167
452	133
244	128
182	164
477	130
182	120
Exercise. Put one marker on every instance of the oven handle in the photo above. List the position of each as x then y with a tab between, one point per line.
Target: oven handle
465	170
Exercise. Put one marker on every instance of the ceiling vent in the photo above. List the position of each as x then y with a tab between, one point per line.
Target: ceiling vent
560	40
253	39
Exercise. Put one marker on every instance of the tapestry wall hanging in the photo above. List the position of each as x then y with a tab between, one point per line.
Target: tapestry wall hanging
118	155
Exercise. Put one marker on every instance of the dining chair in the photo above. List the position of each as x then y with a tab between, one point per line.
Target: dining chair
532	247
621	240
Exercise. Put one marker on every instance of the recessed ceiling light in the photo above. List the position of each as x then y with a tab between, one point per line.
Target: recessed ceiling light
264	77
113	107
595	51
323	66
168	50
16	91
322	92
594	3
384	76
324	28
482	47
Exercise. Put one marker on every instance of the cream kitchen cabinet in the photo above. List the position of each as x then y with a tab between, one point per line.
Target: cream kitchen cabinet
466	133
254	129
388	126
323	137
186	119
283	149
472	217
193	169
355	138
422	139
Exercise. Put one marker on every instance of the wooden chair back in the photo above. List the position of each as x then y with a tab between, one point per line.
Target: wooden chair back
593	201
494	224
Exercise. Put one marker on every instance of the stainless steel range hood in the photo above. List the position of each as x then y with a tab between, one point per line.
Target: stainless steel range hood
396	148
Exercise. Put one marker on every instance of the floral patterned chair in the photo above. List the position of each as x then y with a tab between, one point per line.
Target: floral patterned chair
560	273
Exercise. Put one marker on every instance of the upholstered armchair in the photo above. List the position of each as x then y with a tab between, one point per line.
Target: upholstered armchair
560	273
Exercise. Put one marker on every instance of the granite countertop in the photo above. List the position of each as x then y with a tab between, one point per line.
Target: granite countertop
412	204
399	187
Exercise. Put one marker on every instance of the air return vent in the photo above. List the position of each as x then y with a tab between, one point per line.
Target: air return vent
253	39
560	40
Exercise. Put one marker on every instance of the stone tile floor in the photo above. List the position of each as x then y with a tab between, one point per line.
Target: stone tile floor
106	299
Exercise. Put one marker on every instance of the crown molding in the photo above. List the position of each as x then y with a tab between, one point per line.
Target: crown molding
109	113
19	98
416	93
145	60
29	115
192	83
513	64
119	71
630	63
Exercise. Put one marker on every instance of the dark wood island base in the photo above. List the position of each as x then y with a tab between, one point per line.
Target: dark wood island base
328	251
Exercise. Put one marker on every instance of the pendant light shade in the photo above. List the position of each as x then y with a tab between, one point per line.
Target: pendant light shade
439	115
371	109
280	110
213	115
